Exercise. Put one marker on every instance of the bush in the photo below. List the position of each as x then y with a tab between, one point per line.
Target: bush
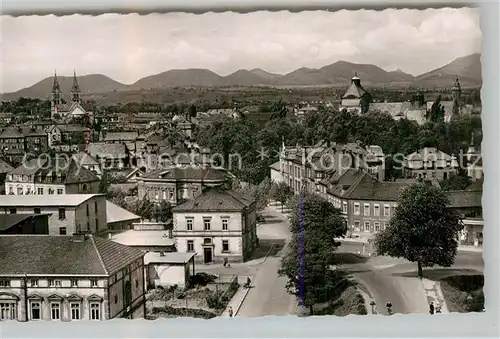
215	301
201	279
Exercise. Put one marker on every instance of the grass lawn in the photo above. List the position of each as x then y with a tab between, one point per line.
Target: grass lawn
463	293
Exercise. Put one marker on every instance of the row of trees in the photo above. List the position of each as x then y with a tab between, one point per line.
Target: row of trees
245	138
423	230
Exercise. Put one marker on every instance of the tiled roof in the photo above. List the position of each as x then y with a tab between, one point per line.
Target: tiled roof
465	199
121	136
72	128
102	149
354	90
339	181
27	254
428	153
416	115
216	199
71	173
115	213
189	173
84	159
369	188
21	132
392	108
5	166
29	168
44	200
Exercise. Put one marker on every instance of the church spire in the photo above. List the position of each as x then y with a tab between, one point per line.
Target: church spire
75	89
55	86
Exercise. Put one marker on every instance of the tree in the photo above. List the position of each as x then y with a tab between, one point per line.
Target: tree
144	208
192	111
280	192
423	230
456	182
314	246
436	113
162	212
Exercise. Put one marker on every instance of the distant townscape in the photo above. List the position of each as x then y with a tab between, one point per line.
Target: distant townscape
334	191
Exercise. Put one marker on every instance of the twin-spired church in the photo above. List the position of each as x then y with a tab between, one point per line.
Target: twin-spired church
66	111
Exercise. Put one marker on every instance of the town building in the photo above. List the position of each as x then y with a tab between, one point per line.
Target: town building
468	203
5	168
80	277
51	176
175	183
356	98
24	223
430	163
216	225
110	155
66	111
308	165
86	161
147	236
119	219
169	269
474	161
16	142
70	213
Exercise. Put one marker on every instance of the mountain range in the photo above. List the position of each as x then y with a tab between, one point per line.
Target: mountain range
467	68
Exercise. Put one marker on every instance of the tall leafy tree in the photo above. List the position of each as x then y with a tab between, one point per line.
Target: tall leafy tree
307	263
162	212
423	230
280	192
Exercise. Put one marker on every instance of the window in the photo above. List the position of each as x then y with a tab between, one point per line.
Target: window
376	210
88	225
225	245
37	210
206	223
356	208
95	207
387	211
60	191
13	211
62	214
156	195
386	224
55	311
74	282
62	230
377	226
35	311
87	209
190	246
39	191
344	206
97	224
8	311
367	226
171	195
75	311
93	283
4	283
367	210
52	283
51	191
164	195
116	299
34	282
189	224
356	226
95	309
224	224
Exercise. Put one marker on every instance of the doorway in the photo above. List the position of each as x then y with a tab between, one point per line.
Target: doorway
207	255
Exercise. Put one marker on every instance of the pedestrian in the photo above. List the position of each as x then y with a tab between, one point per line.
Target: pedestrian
230	311
431	307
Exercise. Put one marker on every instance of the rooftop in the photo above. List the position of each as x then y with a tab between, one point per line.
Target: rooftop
9	220
115	213
167	258
144	238
189	173
72	200
94	256
216	199
465	199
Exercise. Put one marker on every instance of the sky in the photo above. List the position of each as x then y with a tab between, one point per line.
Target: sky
129	47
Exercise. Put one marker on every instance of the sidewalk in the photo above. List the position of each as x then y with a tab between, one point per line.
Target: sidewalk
238	298
434	293
470	248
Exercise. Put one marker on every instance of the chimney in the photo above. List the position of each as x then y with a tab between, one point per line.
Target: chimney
78	237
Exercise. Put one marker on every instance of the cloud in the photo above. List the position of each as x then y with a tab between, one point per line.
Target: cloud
128	47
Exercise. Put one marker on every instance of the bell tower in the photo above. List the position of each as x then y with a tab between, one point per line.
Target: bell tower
56	96
75	90
457	93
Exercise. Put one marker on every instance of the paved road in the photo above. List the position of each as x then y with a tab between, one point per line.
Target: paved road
269	295
389	279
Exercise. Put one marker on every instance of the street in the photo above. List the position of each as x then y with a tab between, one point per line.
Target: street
394	280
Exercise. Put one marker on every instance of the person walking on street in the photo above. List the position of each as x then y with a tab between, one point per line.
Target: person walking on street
230	311
431	307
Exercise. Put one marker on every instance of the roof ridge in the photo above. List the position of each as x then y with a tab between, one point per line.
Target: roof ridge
98	254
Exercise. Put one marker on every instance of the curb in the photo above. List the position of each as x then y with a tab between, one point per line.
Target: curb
241	303
267	254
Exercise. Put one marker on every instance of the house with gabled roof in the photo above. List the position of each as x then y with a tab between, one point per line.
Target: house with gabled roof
216	225
70	278
430	163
